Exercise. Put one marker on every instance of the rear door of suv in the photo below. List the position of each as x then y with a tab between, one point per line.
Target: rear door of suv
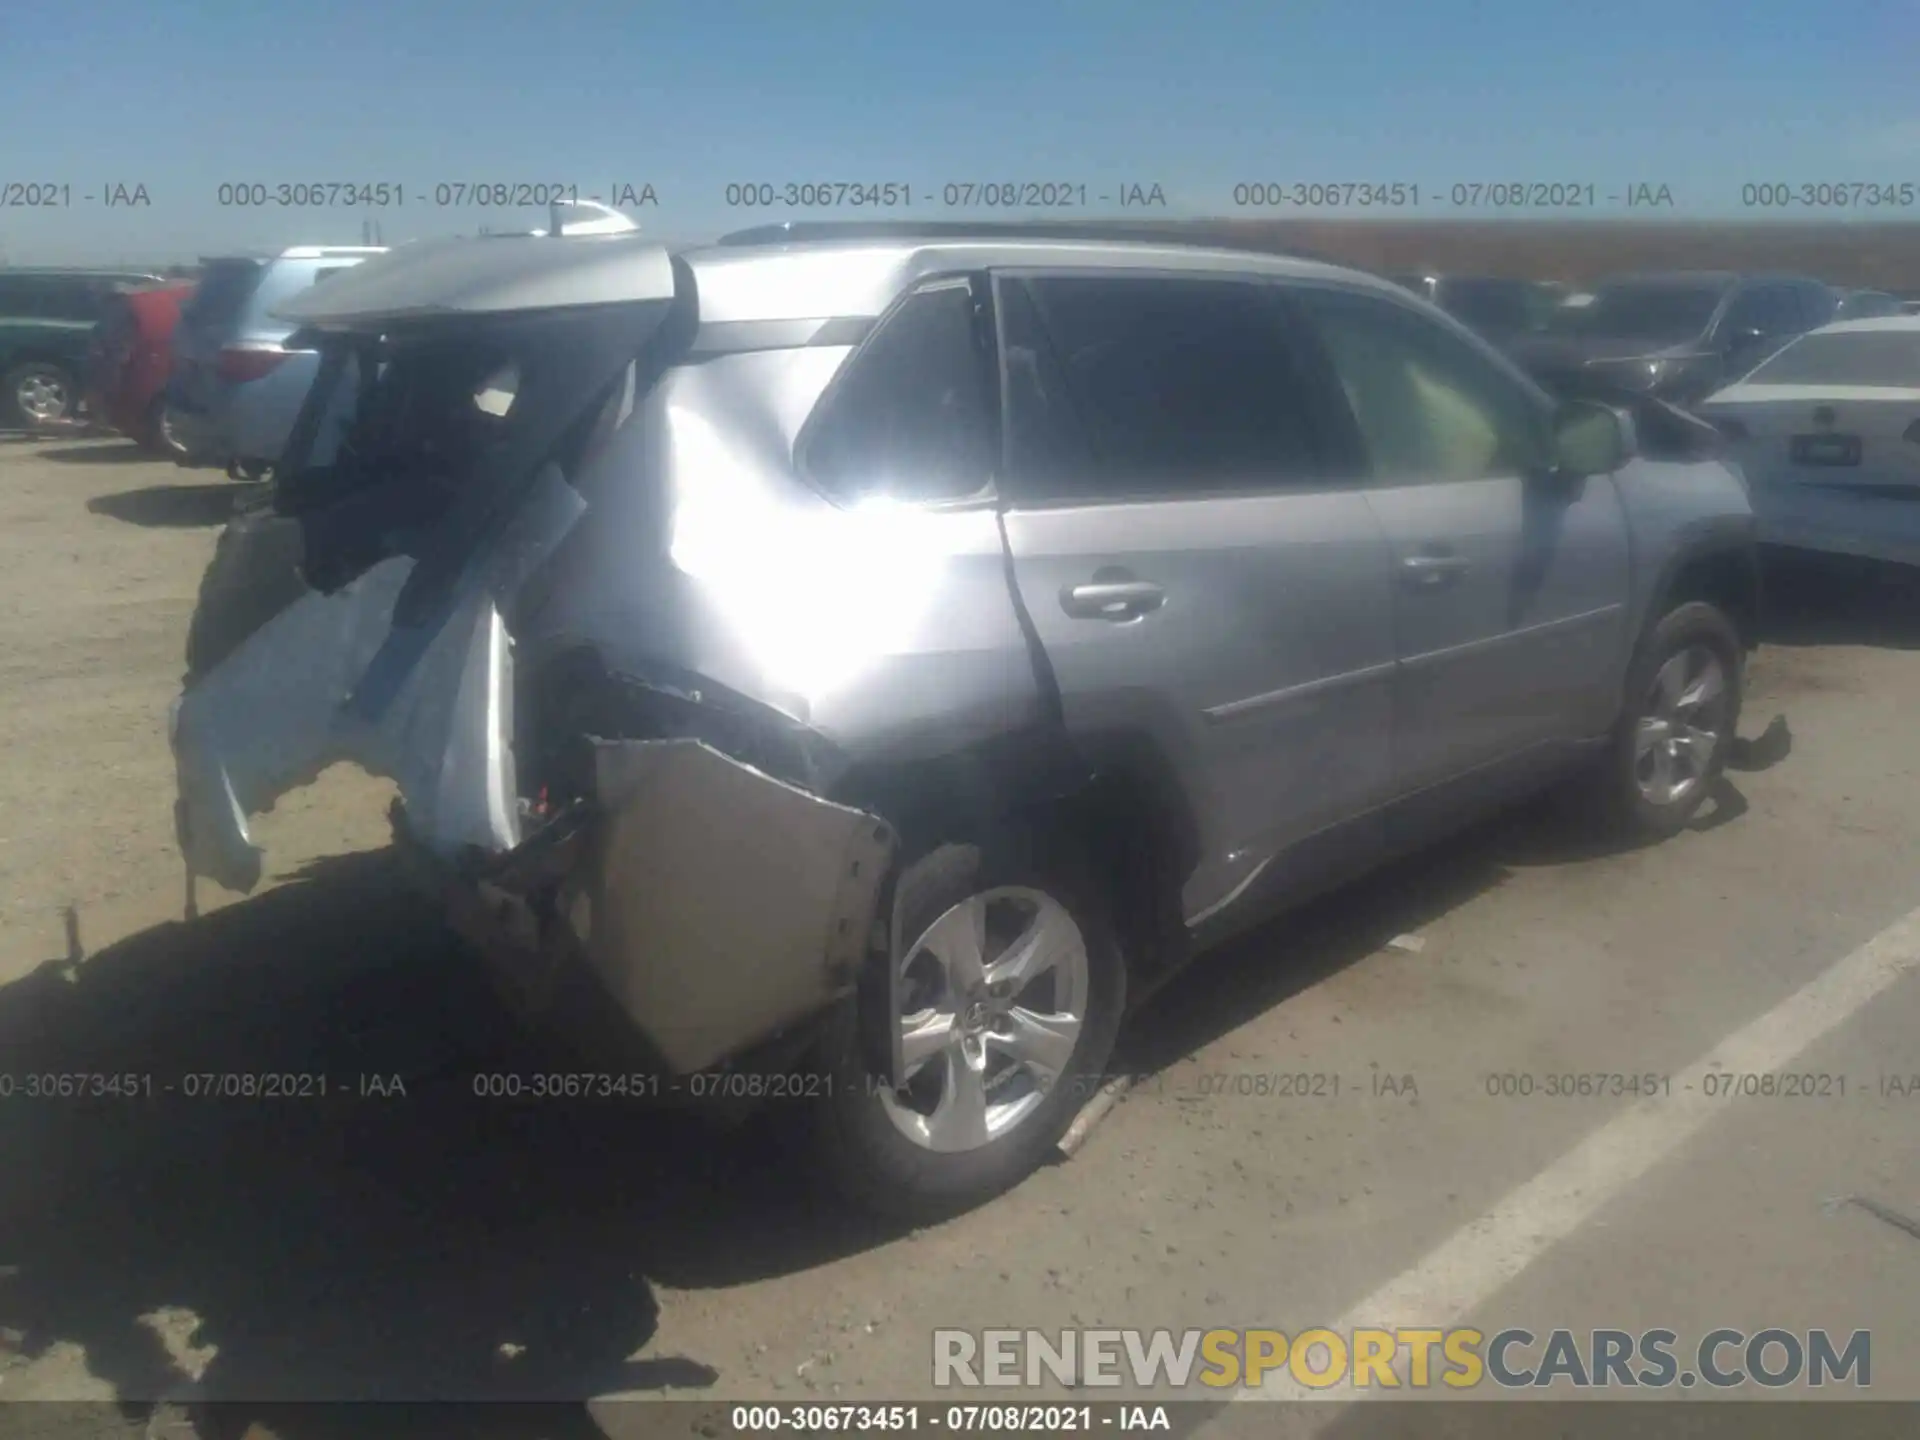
271	381
206	323
1510	587
1200	563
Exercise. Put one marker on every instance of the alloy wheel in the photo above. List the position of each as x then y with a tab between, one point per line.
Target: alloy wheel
1682	725
993	1001
42	395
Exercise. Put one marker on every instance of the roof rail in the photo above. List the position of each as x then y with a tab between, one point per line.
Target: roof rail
794	232
323	252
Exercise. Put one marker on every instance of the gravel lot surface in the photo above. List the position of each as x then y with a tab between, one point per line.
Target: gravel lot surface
434	1245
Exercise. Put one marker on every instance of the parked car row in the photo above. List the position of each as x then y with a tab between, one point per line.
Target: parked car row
48	318
236	386
1816	390
200	370
130	360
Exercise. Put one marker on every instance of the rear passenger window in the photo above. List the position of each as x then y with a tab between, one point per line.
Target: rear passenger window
1127	387
912	417
1427	406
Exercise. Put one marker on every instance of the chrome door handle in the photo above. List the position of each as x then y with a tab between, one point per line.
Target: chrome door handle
1112	600
1427	570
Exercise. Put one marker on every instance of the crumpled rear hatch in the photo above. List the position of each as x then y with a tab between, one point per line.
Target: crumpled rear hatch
460	382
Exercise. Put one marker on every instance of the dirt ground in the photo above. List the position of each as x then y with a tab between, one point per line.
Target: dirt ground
386	1246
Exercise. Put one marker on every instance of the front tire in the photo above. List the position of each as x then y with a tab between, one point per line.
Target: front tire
1682	710
38	392
1012	985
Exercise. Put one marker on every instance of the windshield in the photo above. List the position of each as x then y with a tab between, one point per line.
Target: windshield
1654	310
1886	358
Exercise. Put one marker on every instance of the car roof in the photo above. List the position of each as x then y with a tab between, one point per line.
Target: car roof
793	232
468	276
292	252
854	274
76	272
1875	322
1721	278
860	277
1471	278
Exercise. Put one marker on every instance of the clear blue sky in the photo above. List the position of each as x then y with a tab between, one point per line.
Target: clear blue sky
1699	95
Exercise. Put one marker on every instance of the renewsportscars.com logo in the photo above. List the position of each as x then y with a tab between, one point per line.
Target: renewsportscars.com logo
1400	1359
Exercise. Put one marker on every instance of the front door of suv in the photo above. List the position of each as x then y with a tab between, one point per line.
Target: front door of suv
1200	564
1510	586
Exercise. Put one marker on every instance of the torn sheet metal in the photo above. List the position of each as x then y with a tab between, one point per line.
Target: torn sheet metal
721	905
331	678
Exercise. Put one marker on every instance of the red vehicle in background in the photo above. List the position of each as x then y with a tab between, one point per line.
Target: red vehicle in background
131	359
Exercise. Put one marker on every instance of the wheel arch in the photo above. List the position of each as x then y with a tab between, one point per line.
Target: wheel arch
1114	797
1721	569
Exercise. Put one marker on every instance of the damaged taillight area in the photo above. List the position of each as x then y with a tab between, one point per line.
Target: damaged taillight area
714	905
679	860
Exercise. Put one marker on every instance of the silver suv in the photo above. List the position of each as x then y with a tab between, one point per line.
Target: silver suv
856	668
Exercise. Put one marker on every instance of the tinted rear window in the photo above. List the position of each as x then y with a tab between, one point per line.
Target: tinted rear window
222	294
1179	386
1842	357
52	297
913	418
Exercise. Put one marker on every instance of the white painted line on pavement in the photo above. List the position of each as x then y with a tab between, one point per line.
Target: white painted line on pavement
1470	1266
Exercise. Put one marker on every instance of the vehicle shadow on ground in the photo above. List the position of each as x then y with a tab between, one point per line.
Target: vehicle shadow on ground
376	1246
1222	990
180	507
101	452
1835	600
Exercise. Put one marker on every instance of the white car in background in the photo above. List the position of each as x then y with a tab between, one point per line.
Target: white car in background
1828	433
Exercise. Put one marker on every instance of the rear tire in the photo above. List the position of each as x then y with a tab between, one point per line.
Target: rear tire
1685	683
156	436
878	1147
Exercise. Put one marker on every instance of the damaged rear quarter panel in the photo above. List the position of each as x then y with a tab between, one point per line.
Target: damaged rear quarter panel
889	630
717	905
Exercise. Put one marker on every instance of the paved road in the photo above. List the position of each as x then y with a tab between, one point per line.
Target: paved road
400	1247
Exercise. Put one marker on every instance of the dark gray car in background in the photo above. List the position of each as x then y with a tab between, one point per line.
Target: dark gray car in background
1678	336
1499	308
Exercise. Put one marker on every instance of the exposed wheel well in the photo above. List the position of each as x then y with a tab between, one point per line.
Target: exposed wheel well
1728	578
1124	816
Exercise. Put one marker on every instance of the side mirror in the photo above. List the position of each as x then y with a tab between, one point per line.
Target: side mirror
1591	439
1748	335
